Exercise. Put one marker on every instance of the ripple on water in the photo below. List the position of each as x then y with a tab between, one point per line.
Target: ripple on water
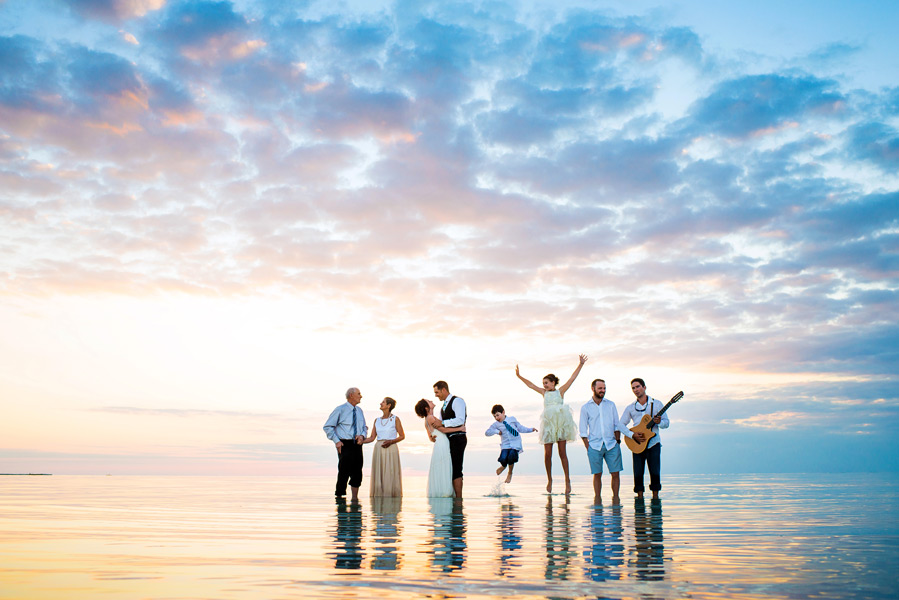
710	537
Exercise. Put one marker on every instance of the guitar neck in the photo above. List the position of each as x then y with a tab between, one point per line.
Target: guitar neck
666	407
677	397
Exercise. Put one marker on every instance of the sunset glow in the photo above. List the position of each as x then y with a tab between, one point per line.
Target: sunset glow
215	217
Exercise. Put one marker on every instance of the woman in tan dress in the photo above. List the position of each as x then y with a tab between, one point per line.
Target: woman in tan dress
386	473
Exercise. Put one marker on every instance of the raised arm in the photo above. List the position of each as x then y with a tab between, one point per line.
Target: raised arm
582	358
539	390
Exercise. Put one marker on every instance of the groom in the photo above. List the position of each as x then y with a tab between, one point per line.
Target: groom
452	413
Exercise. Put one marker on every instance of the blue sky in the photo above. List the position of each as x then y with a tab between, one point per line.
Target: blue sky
215	217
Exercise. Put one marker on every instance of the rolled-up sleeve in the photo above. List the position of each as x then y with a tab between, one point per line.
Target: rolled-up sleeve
330	427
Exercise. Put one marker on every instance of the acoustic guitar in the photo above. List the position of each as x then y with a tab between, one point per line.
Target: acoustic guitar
645	427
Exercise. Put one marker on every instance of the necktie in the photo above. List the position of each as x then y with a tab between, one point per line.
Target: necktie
511	429
355	433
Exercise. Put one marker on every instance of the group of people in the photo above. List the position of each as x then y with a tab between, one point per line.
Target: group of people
600	430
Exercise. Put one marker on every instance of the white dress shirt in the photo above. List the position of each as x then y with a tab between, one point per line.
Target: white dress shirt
598	423
458	408
635	411
339	425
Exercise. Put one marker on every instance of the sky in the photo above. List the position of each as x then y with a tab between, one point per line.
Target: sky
215	217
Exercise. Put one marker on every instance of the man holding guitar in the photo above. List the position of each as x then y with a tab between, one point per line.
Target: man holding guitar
652	454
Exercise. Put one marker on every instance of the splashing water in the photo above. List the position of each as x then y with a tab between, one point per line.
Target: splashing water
498	490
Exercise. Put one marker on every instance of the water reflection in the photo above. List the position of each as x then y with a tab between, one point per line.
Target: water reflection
448	534
120	538
649	551
605	537
509	526
557	527
387	533
348	536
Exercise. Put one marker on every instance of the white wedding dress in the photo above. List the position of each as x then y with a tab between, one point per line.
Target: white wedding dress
440	475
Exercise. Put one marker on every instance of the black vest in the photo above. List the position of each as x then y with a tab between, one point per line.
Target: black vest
448	412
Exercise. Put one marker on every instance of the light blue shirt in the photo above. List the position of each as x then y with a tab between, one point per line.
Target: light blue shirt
598	423
507	440
339	425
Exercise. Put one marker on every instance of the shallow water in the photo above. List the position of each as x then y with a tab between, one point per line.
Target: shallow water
760	536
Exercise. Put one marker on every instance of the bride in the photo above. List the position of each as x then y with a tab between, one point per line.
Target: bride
440	474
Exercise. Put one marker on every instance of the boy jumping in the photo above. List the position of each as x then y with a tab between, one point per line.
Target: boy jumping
508	429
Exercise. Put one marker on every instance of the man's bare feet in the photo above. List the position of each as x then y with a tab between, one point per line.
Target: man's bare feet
500	470
567	487
616	500
549	487
509	477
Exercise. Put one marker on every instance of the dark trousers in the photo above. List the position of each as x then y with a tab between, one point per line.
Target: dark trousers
457	443
651	457
349	466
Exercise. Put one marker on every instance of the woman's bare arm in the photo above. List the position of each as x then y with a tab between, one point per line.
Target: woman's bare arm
582	358
530	384
374	433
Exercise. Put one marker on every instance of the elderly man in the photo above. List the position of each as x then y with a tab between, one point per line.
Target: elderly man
346	428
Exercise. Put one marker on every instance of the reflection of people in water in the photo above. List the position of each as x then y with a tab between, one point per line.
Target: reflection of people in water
509	538
348	536
605	557
387	532
558	541
649	551
448	541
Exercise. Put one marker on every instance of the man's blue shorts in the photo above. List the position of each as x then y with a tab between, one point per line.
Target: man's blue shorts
508	456
612	458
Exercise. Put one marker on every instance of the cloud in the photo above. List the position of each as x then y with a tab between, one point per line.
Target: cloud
457	168
780	420
876	143
183	412
115	10
759	104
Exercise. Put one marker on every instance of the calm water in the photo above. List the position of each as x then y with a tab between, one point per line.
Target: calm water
771	536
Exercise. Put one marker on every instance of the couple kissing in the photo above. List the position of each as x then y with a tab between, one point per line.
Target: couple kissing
448	434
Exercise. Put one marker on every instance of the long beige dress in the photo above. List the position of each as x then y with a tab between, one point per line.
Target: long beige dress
386	471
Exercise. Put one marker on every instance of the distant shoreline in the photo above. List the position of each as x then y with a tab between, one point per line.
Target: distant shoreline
25	474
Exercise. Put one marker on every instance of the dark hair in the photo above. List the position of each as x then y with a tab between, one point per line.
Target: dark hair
593	385
441	385
552	378
421	408
390	402
497	408
638	380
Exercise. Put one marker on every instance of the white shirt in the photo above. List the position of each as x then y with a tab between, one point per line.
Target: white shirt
458	408
635	411
507	439
386	428
598	423
339	425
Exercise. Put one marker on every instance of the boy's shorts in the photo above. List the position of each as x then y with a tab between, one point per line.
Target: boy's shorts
508	456
612	458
